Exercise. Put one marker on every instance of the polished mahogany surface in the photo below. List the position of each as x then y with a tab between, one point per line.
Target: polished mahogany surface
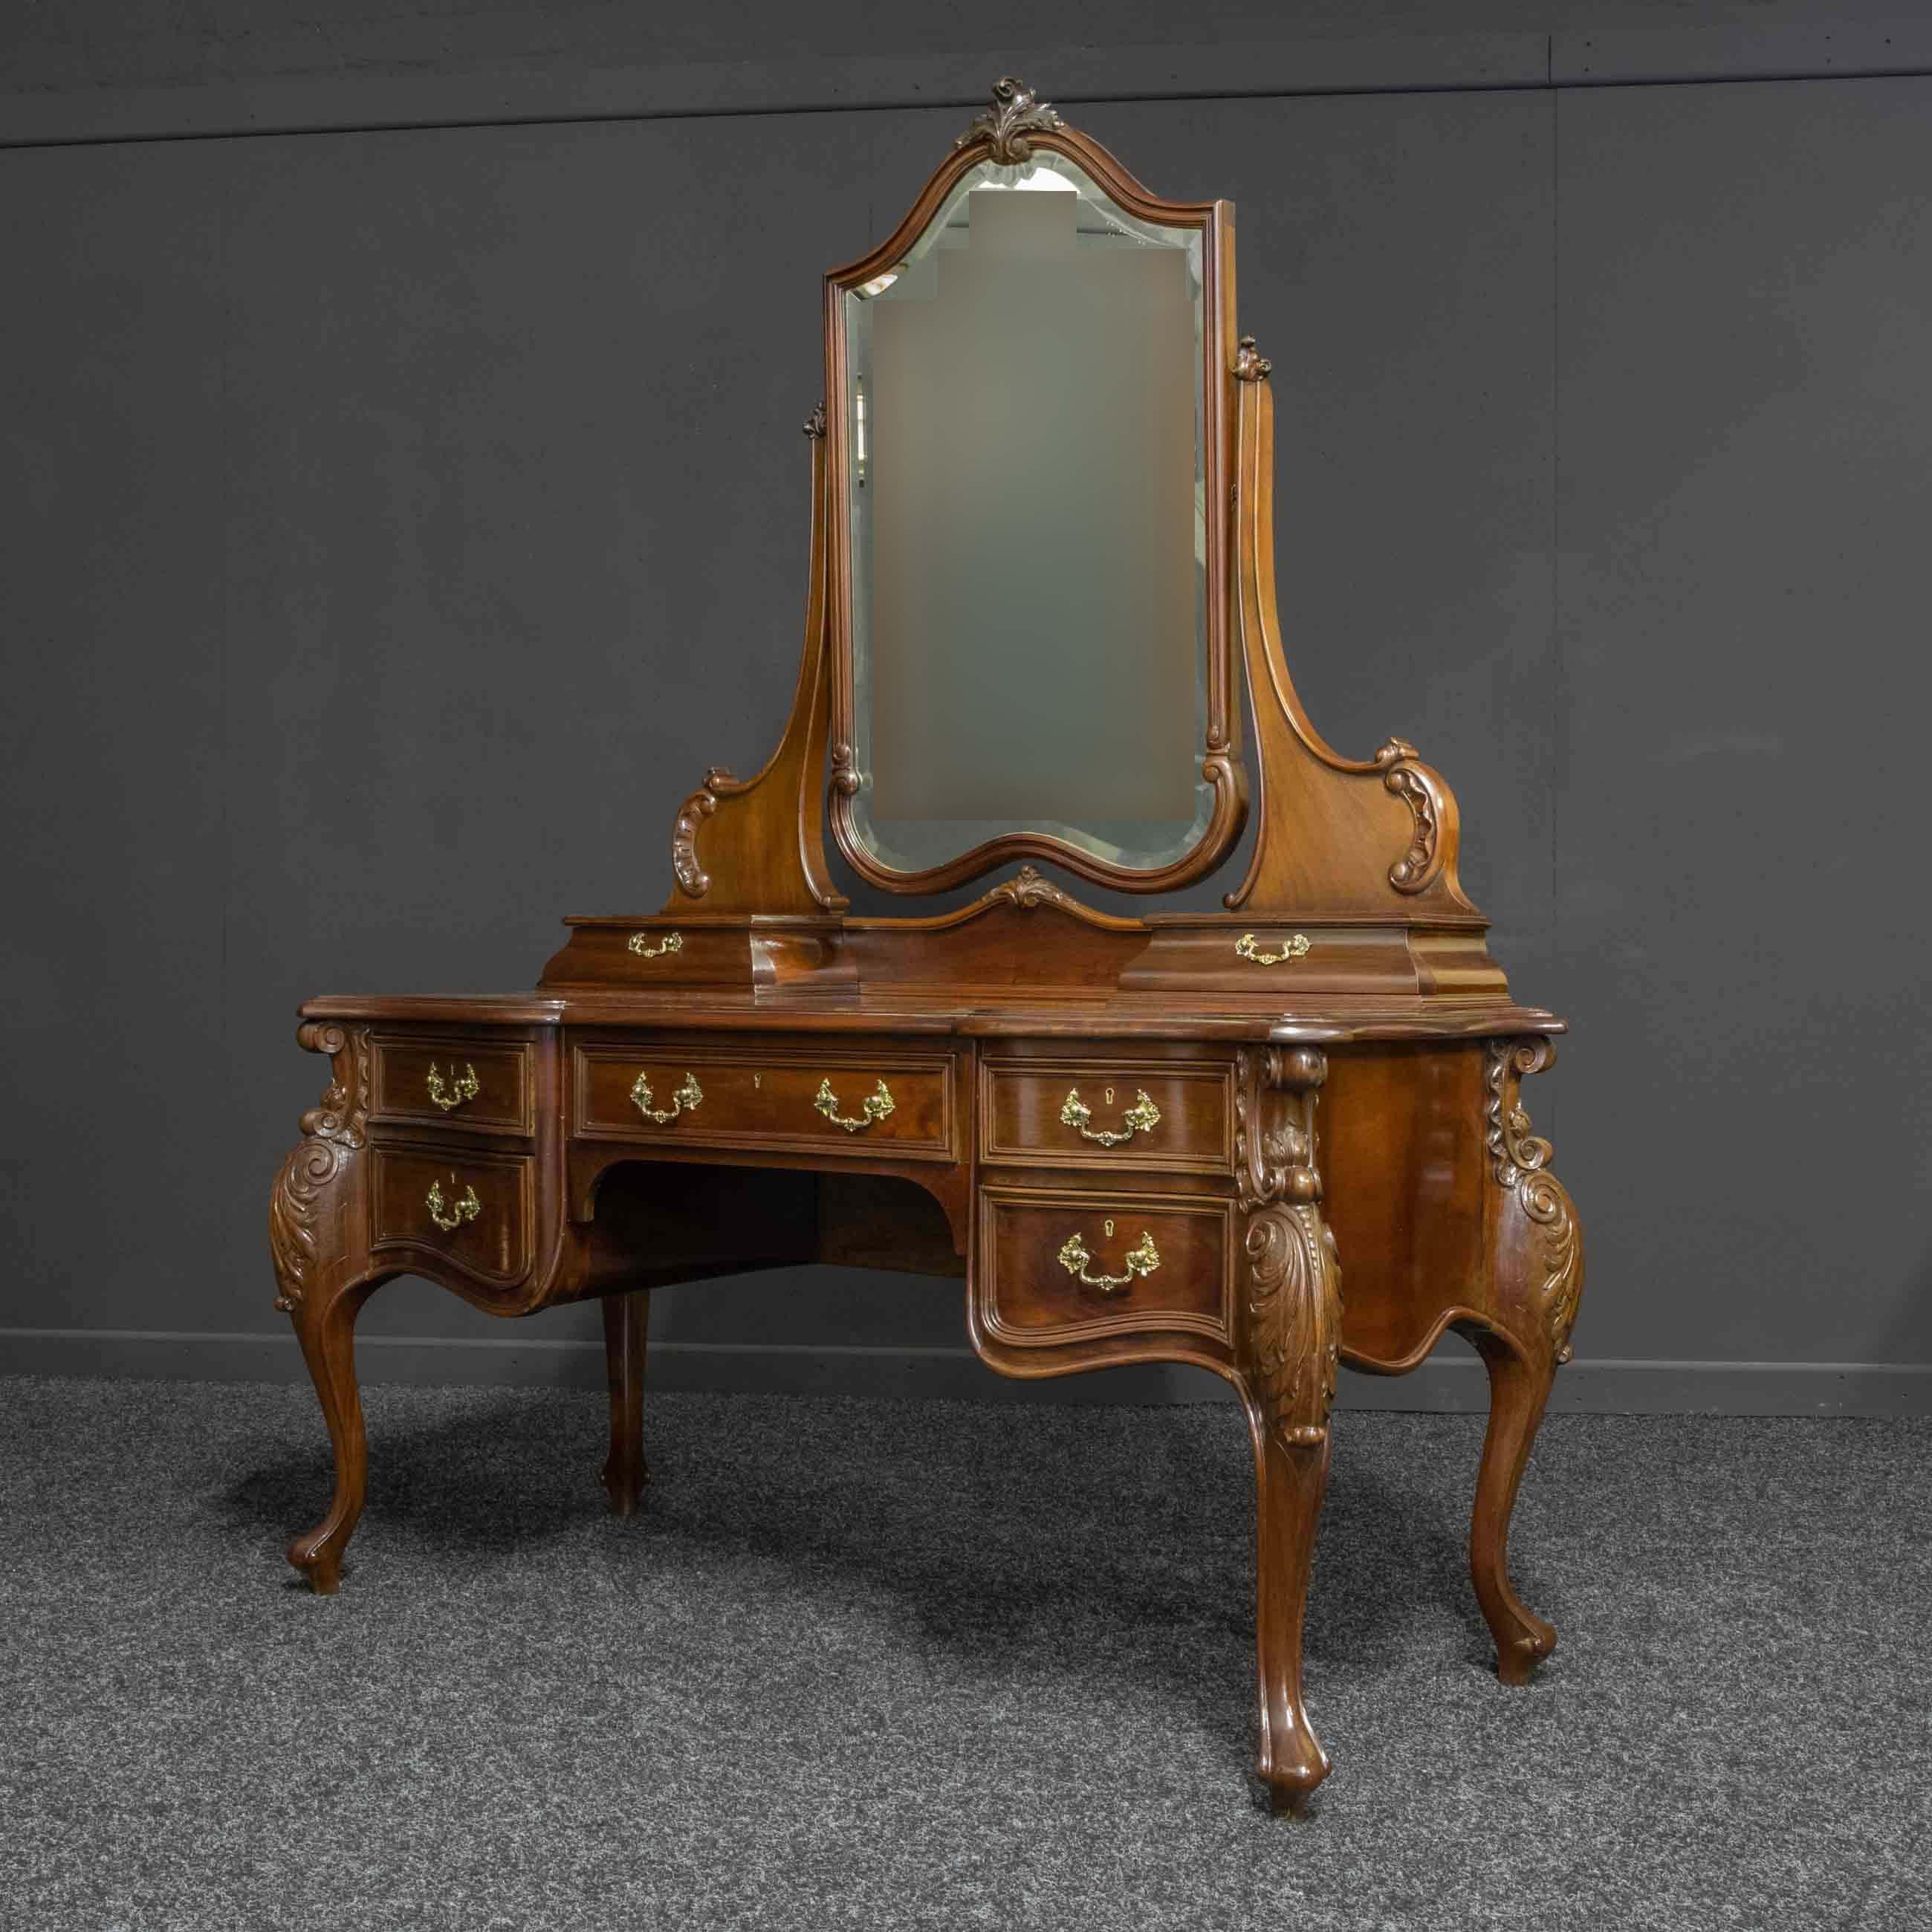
1268	1140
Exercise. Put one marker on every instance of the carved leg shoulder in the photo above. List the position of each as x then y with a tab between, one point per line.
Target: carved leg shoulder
1290	1333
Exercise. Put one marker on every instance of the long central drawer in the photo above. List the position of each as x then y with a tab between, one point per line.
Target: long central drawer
836	1100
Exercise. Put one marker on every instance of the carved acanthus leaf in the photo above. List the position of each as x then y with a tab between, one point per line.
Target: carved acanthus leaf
814	423
1292	1308
1519	1162
331	1133
1295	1321
307	1174
1028	888
1015	114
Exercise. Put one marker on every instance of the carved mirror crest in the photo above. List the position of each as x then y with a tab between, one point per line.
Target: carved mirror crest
1029	390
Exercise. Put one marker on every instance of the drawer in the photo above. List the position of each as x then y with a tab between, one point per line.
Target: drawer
473	1210
455	1080
840	1103
1109	1113
1053	1266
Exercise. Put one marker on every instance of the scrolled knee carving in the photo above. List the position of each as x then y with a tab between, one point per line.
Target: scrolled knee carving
306	1192
1549	1237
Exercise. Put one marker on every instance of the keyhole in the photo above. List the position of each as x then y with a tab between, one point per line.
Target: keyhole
1110	1225
1110	1096
757	1079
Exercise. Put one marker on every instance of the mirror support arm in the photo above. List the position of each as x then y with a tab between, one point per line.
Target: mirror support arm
742	846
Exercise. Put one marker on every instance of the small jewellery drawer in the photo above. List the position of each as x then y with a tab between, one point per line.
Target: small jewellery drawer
842	1103
1106	1113
455	1080
1053	1266
474	1211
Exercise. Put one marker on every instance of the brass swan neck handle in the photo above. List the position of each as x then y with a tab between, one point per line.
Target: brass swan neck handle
1141	1259
877	1105
1142	1118
687	1100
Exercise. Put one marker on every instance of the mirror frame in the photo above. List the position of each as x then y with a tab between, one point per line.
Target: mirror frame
1007	135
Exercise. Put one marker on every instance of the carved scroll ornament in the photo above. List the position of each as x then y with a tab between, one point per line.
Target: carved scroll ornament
692	878
1015	114
1292	1304
1519	1162
331	1133
1028	888
1405	774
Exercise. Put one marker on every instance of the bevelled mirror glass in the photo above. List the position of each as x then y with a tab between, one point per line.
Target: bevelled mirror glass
1029	403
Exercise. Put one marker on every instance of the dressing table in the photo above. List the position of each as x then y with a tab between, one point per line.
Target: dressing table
1040	647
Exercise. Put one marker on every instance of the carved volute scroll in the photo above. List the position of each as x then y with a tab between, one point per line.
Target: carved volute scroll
1520	1163
693	880
1291	1300
331	1133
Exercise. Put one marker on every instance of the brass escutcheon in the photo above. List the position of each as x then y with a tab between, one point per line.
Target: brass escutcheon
687	1100
466	1209
460	1088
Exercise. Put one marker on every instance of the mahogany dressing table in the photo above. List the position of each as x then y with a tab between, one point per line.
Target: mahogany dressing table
1263	1139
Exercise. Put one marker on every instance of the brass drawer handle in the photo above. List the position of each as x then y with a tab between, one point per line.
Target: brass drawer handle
672	942
687	1100
462	1087
466	1209
1142	1118
878	1104
1247	947
1141	1260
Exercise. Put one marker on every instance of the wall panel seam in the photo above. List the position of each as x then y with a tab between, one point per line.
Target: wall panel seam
1074	77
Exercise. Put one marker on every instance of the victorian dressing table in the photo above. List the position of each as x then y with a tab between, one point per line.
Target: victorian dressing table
1264	1139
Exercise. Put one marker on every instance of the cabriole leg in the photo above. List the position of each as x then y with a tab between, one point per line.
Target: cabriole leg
1290	1330
326	1329
319	1242
1519	1388
626	1472
1536	1258
1289	1479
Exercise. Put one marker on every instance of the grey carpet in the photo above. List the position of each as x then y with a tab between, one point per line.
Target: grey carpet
894	1664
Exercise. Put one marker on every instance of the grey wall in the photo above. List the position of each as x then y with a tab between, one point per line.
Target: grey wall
396	522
